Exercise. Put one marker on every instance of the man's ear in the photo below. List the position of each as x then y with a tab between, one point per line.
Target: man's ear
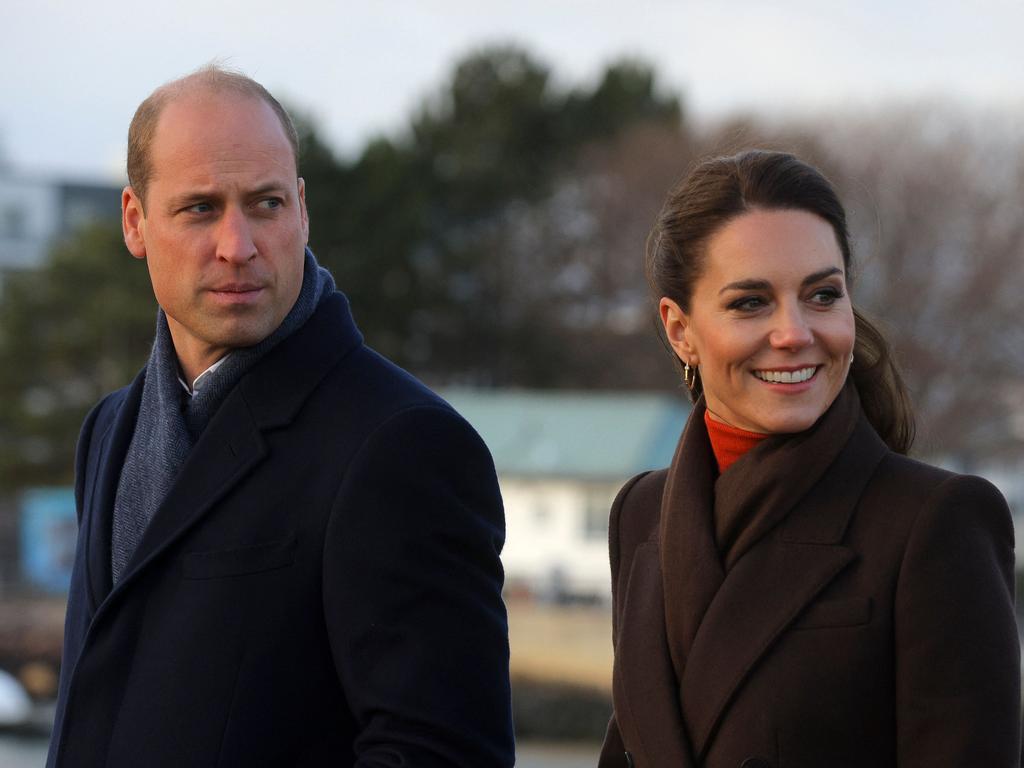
133	223
677	331
302	210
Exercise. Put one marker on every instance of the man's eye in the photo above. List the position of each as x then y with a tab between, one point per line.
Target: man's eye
270	204
200	208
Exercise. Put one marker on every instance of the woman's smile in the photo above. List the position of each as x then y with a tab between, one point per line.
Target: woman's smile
787	375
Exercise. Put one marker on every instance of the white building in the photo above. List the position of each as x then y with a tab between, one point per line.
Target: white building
35	212
561	457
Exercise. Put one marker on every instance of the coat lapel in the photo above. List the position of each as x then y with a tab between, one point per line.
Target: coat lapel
691	567
760	597
232	445
105	462
771	583
643	680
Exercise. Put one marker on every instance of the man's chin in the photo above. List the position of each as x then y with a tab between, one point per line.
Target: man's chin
241	337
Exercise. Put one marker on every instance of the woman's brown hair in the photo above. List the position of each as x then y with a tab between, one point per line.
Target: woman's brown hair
718	190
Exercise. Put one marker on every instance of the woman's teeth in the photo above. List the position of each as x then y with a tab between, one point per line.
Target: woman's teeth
786	377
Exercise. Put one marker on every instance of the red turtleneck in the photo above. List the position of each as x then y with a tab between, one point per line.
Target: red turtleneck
728	442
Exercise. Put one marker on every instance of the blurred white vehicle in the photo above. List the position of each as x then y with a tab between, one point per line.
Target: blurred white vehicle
15	705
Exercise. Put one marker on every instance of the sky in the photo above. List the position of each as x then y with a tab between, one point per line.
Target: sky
73	72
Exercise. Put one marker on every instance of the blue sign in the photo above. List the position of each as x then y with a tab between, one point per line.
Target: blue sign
49	528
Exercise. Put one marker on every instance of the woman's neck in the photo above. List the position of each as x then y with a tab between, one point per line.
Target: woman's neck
729	443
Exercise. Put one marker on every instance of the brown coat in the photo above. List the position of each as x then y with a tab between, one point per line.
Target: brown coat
873	626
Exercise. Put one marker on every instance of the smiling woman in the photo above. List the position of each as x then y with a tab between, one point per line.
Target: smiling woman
769	324
794	590
767	211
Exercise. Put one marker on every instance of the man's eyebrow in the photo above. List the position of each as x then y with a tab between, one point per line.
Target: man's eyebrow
754	284
185	199
270	186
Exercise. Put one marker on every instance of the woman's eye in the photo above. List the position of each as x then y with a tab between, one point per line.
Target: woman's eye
747	304
826	296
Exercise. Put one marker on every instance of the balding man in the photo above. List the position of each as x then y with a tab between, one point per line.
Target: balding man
288	547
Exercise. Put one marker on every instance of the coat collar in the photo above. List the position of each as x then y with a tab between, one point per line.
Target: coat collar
792	558
268	396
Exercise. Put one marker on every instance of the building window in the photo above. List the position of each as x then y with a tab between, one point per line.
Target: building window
596	504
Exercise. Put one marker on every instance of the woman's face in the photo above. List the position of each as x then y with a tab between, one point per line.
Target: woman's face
770	324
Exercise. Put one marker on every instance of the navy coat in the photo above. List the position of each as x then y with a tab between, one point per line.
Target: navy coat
321	585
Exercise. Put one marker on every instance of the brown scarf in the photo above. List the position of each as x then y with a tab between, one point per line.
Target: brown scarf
708	522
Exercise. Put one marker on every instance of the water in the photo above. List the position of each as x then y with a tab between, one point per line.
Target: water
18	751
545	755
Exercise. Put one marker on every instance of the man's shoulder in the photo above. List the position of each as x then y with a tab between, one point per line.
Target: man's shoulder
371	383
105	411
367	399
326	372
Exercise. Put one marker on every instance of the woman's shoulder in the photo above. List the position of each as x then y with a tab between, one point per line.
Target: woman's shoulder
936	497
636	511
929	482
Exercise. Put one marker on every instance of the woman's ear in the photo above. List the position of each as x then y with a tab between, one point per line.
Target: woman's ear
677	331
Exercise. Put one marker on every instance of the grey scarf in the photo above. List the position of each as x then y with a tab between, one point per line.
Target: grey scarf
170	422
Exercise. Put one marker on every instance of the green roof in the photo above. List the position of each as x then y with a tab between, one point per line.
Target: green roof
573	434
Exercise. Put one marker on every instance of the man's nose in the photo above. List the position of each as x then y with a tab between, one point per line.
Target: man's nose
234	237
791	331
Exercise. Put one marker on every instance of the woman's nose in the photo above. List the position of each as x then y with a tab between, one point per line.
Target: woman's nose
791	331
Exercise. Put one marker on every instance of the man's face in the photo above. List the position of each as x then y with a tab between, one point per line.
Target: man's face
224	225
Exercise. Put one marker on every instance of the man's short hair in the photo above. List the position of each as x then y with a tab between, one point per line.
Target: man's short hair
212	78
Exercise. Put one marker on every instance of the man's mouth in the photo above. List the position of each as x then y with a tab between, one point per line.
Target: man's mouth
787	377
237	288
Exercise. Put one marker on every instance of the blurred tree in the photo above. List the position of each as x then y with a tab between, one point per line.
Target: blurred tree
607	323
509	203
69	332
427	232
627	94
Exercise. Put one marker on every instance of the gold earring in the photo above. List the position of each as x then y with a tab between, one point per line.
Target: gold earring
689	376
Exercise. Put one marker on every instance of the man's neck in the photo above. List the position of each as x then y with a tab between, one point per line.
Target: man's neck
197	382
194	356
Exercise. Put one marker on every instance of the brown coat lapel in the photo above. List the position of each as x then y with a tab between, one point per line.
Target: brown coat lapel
770	585
781	558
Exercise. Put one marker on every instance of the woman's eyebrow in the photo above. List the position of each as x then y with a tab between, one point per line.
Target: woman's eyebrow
751	284
821	275
755	284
